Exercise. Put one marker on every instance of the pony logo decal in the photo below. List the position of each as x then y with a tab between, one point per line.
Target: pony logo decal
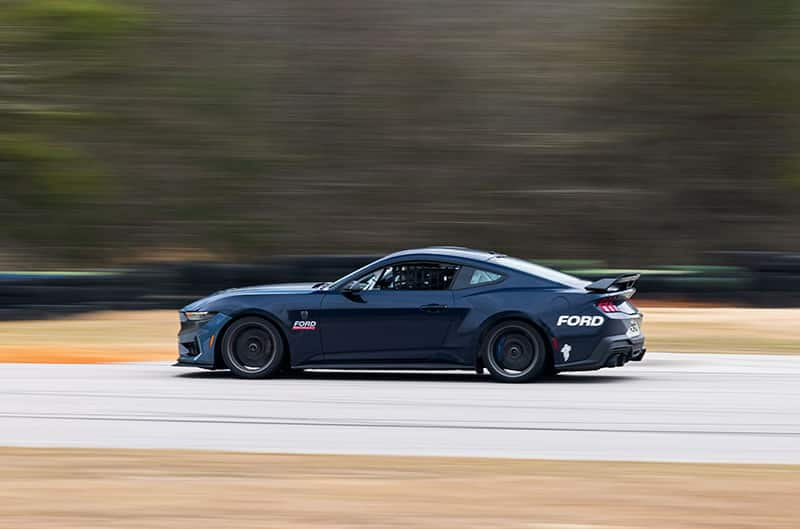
565	351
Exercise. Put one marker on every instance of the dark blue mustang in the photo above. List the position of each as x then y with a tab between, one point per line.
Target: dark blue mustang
432	308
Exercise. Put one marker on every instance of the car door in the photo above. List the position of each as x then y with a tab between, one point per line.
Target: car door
402	315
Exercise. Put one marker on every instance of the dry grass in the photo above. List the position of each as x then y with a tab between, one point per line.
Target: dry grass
722	330
82	488
150	335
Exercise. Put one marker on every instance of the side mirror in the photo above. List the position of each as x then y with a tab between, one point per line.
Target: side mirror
353	287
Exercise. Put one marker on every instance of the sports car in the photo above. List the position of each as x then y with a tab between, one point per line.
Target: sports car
430	308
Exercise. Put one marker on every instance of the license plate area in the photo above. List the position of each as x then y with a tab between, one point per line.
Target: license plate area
634	329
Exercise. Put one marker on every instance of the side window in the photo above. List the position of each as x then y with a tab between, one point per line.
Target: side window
417	276
474	277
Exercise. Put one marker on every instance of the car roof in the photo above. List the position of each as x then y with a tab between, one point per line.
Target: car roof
476	256
516	266
447	251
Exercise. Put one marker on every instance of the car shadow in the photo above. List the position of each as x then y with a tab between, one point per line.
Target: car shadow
417	376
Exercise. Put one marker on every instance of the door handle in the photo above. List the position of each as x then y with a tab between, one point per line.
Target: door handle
433	307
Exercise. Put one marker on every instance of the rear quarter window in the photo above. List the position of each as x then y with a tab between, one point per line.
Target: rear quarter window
469	277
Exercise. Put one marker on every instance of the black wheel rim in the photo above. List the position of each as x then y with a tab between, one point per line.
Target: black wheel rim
253	348
513	352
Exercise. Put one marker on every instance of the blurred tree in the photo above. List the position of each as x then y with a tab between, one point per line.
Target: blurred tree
57	198
236	130
708	109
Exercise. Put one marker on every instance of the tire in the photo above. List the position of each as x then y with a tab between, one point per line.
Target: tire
252	347
513	351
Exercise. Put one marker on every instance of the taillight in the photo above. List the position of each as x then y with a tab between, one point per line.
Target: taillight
607	305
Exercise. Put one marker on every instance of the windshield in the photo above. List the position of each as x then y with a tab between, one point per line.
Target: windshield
350	276
540	271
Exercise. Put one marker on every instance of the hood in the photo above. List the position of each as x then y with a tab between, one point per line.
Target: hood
283	288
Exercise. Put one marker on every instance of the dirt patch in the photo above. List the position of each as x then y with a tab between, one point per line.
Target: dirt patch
150	335
44	488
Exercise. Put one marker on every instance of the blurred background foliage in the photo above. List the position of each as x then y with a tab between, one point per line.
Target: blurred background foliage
635	131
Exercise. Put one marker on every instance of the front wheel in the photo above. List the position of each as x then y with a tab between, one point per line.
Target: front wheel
252	348
514	351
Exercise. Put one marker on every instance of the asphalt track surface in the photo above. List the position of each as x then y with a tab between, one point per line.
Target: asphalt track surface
671	407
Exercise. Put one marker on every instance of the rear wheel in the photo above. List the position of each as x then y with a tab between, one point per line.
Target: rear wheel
252	348
513	351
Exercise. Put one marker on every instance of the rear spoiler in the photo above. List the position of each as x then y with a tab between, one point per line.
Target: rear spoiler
613	284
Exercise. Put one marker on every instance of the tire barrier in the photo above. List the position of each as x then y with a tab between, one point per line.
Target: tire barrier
747	278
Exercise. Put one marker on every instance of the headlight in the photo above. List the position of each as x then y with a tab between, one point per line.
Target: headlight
199	315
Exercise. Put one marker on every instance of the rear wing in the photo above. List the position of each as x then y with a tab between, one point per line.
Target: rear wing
614	284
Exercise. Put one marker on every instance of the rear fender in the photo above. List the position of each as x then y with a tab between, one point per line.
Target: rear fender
536	323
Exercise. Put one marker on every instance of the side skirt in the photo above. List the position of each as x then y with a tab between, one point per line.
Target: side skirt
388	367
